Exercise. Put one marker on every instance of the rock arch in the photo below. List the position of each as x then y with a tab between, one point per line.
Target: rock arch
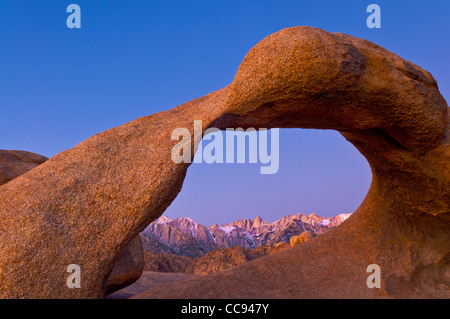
86	204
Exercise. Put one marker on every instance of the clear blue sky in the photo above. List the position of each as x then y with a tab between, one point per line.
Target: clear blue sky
58	86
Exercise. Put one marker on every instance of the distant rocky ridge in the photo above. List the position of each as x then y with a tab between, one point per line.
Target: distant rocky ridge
166	262
184	236
225	258
214	261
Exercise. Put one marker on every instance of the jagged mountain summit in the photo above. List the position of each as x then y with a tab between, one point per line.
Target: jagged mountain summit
184	236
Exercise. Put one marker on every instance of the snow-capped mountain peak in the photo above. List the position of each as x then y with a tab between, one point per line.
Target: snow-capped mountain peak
162	220
185	236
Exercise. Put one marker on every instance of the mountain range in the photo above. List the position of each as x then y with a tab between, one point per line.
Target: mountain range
184	236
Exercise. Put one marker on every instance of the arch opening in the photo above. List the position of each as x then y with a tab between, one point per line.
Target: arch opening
319	172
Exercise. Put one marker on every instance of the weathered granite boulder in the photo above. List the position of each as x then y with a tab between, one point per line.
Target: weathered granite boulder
219	260
129	265
16	163
302	238
85	204
282	245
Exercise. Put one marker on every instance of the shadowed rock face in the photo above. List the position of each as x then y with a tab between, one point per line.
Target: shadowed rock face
85	204
128	267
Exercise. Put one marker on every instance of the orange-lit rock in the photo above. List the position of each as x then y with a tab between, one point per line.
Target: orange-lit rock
85	204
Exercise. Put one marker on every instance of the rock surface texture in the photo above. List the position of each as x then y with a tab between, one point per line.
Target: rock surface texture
86	204
302	238
128	267
218	260
166	262
16	163
130	263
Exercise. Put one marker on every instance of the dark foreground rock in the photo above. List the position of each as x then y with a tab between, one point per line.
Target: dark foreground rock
149	279
128	267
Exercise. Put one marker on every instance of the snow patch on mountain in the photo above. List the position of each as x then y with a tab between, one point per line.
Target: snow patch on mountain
185	236
325	222
162	220
344	216
228	228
